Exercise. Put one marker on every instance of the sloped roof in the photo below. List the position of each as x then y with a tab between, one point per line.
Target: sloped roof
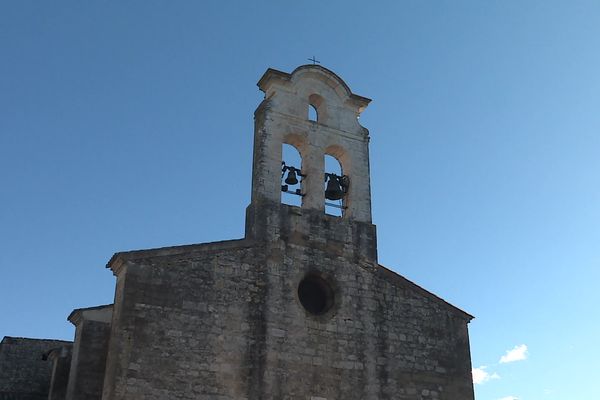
396	278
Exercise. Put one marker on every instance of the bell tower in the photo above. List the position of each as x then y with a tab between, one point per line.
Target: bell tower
313	110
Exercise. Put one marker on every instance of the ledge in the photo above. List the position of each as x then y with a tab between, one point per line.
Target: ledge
16	339
118	259
78	314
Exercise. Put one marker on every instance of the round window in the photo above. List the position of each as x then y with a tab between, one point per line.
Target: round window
315	294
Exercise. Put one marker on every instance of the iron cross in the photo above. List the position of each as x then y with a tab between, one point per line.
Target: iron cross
314	60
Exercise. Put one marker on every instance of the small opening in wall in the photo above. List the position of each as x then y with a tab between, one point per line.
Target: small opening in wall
316	108
313	115
315	294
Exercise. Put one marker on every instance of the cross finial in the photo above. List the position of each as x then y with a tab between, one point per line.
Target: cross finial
314	60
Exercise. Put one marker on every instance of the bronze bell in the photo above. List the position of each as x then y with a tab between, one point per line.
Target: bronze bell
291	178
334	190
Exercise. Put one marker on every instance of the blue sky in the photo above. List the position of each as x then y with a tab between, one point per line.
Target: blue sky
128	125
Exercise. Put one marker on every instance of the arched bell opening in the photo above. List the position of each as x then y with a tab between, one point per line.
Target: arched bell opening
336	187
291	176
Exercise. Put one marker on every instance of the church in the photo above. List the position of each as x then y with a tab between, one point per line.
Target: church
298	309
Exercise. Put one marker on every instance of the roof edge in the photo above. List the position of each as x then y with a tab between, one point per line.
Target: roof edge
118	259
6	339
424	292
272	73
76	314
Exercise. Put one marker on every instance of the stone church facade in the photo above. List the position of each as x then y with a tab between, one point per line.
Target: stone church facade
299	309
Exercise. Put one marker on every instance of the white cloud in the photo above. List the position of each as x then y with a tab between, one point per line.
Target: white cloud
509	398
516	354
480	375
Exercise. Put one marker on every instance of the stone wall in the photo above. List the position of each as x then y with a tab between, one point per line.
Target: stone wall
61	366
187	323
92	335
224	321
24	375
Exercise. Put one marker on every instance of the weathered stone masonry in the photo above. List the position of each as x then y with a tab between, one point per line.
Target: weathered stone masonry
24	374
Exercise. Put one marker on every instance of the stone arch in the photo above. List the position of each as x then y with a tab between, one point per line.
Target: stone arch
329	79
296	140
341	155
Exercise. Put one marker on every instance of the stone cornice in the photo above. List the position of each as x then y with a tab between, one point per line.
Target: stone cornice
119	260
272	74
78	314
